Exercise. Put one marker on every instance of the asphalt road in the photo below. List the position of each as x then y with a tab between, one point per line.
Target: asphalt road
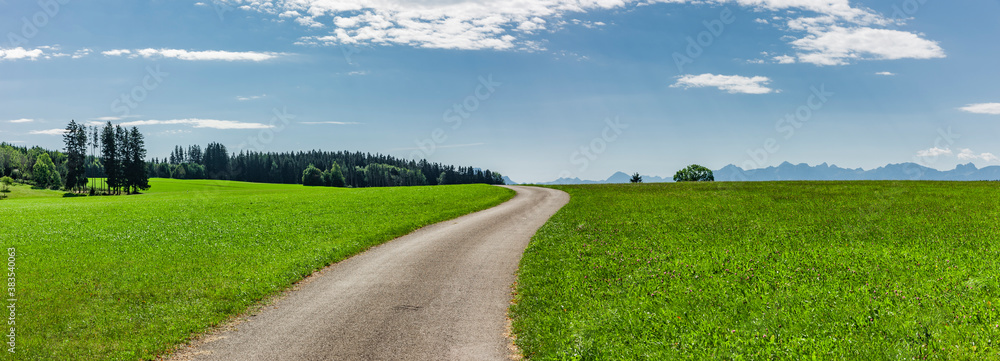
439	293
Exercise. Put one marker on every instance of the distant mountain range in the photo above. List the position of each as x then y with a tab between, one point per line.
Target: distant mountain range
787	172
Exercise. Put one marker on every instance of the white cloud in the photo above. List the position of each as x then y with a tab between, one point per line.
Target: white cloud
108	119
444	146
933	152
334	123
48	132
207	55
837	45
172	132
968	154
117	52
19	53
81	53
761	21
200	123
731	83
22	120
784	59
219	55
506	24
252	97
982	108
356	73
885	73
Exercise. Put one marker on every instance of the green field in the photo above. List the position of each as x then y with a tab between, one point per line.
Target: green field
130	277
28	191
751	271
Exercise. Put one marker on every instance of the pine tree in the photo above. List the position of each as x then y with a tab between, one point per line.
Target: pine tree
109	156
136	172
76	156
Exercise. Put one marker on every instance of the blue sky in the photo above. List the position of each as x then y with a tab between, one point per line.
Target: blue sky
534	89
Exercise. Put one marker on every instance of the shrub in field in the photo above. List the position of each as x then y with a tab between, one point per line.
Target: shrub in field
694	173
312	176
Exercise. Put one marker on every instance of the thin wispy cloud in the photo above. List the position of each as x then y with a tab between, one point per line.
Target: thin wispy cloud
442	146
885	73
330	122
108	119
252	97
22	120
982	108
933	152
734	84
191	55
200	123
48	132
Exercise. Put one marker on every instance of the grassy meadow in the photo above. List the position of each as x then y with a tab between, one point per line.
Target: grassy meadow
777	270
130	277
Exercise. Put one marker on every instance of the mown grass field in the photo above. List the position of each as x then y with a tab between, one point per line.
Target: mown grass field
130	277
28	191
752	271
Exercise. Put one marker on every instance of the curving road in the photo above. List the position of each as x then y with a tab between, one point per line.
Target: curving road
439	293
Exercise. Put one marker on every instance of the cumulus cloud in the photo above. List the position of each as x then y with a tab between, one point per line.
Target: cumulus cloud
968	154
733	84
200	123
22	120
885	73
934	152
982	108
837	45
784	59
48	132
19	53
117	52
218	55
834	31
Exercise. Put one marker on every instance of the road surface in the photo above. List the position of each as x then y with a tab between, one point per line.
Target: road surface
439	293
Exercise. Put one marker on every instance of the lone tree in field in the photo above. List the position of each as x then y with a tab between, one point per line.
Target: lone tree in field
694	173
6	182
312	176
636	178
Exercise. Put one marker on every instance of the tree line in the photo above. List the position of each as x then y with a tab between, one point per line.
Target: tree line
117	156
356	169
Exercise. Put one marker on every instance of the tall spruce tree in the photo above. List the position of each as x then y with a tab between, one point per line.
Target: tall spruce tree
109	157
76	156
137	175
